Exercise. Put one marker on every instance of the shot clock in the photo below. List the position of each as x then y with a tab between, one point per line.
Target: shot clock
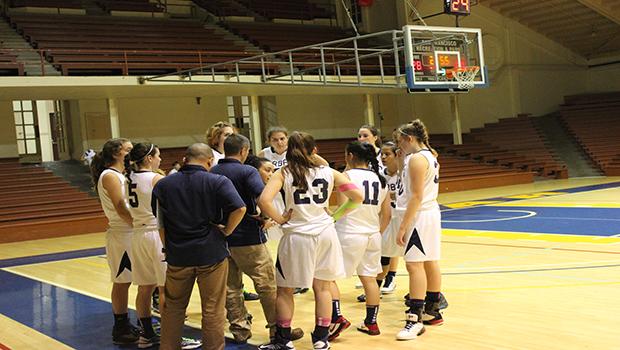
457	7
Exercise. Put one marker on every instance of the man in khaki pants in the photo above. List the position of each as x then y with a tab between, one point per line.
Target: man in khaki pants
248	253
189	206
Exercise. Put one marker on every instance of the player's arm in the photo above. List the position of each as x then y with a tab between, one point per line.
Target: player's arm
113	186
417	169
350	190
265	201
385	215
156	179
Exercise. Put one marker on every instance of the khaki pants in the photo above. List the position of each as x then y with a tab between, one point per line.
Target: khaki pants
254	261
179	284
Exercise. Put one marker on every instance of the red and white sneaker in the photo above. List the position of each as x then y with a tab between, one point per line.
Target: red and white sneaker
338	327
370	329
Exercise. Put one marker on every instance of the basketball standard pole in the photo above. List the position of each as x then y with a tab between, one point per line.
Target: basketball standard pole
457	134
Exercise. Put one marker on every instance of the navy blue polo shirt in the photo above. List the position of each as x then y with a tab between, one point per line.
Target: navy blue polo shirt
190	202
249	184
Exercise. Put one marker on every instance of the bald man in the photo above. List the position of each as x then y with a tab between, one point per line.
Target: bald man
189	207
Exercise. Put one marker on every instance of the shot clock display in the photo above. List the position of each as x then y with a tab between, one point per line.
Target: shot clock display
457	7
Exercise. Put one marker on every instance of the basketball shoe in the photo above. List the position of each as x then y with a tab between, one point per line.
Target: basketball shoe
413	327
432	314
337	327
277	346
370	329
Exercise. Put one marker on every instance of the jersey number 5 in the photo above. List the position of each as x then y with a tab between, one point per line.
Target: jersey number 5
301	197
133	196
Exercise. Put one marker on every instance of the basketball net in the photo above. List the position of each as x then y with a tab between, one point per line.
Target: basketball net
464	76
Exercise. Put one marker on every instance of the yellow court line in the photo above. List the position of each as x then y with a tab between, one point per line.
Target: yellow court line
560	204
545	237
16	335
564	285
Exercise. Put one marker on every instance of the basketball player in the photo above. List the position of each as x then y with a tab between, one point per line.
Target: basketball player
420	228
215	137
149	268
107	170
276	154
369	133
390	251
360	235
309	253
278	143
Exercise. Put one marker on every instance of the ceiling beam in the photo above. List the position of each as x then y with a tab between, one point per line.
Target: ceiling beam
604	8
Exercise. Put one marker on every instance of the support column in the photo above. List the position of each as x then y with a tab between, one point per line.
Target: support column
255	127
115	127
369	109
457	135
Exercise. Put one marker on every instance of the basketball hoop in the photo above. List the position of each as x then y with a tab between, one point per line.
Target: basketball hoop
464	76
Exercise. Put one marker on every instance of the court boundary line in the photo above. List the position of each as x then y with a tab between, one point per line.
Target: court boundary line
532	247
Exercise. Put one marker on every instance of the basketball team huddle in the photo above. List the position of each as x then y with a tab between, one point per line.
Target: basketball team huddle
208	224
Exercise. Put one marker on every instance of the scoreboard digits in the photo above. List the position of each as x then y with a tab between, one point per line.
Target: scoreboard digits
457	7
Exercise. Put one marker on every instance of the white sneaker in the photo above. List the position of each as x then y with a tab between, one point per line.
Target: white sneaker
413	328
390	288
321	345
189	343
277	346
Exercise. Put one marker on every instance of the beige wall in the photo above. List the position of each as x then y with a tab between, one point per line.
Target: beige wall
8	140
323	116
605	78
170	122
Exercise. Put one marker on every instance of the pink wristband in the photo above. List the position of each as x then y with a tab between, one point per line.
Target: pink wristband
347	187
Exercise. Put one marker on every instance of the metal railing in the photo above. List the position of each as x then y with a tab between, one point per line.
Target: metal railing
368	60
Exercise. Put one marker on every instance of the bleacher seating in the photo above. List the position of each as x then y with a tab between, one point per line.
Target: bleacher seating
68	4
594	121
9	64
277	37
112	45
38	204
224	8
129	5
512	142
294	9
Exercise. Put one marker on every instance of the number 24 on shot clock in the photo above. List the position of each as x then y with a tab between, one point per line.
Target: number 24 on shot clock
457	7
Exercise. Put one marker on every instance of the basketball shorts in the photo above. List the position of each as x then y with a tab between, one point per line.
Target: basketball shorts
424	237
118	253
361	253
303	257
149	267
389	247
275	233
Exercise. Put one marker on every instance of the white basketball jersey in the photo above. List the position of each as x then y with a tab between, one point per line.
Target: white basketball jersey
365	218
431	183
217	156
309	215
140	190
278	160
392	186
114	220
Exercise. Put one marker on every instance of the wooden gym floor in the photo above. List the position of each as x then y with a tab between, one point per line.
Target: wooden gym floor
525	267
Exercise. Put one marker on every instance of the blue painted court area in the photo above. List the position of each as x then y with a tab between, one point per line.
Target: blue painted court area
558	220
77	320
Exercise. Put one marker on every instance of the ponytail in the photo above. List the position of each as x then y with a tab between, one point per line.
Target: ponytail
105	159
417	130
299	158
364	152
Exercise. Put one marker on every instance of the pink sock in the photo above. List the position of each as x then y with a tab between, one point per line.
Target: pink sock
284	323
323	321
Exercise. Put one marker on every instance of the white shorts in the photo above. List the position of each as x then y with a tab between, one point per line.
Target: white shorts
302	258
424	237
275	233
389	247
149	267
118	253
362	254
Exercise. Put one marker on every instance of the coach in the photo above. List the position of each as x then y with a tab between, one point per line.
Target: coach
189	205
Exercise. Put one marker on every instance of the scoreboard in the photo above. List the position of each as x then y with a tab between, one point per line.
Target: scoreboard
432	60
457	7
